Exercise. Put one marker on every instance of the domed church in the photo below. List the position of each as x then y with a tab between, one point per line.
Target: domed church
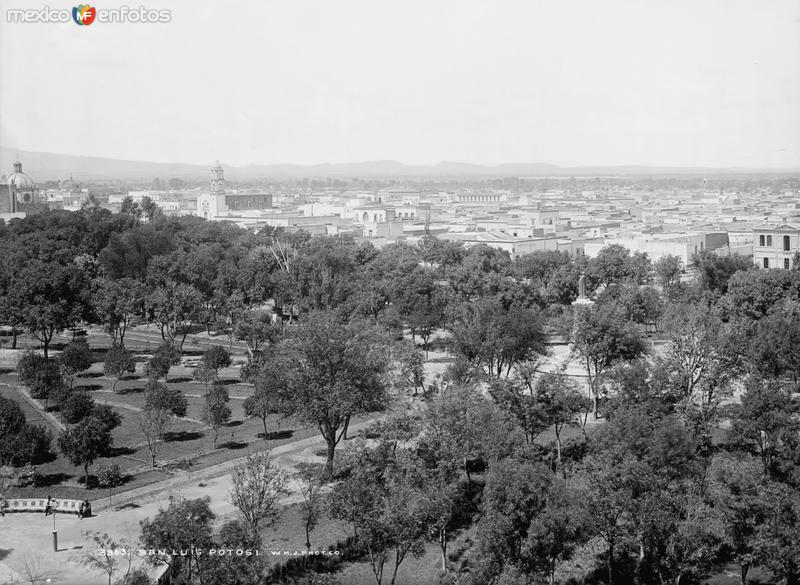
18	192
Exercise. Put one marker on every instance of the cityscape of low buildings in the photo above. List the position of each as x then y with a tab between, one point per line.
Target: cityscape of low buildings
760	223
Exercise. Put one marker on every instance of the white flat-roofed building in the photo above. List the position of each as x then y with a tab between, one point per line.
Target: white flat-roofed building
775	245
516	247
684	246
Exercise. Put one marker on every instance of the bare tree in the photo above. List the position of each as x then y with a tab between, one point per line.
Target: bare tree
108	556
257	486
33	572
311	488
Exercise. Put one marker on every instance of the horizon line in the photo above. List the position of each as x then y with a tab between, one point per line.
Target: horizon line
487	166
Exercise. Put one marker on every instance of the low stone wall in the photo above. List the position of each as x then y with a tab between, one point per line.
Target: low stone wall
62	506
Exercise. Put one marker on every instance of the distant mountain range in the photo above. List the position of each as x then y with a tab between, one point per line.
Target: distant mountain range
44	166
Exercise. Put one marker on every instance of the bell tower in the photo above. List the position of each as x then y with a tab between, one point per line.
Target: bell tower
217	180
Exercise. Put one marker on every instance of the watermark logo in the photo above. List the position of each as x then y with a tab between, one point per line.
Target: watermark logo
84	14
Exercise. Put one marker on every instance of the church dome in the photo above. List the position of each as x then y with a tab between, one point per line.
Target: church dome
69	185
19	180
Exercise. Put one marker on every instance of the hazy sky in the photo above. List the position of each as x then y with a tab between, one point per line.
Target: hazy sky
419	81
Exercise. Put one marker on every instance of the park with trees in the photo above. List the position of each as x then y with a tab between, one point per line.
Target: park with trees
474	425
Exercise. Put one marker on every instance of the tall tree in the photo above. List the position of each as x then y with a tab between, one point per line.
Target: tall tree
216	411
555	533
75	358
270	388
765	421
338	371
714	272
668	269
158	395
166	356
82	444
50	298
387	512
257	485
312	507
257	330
116	303
154	424
184	525
561	404
174	308
119	361
493	339
602	336
736	487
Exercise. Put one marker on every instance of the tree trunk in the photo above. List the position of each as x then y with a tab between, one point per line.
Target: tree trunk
86	476
14	334
610	564
466	471
443	547
745	570
264	420
331	443
558	448
592	393
346	426
397	560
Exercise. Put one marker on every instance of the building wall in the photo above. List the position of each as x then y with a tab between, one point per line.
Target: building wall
775	248
248	201
684	248
210	206
6	199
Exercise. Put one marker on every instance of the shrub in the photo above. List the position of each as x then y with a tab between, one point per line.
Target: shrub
76	407
41	375
158	395
75	358
59	394
28	476
109	476
29	364
30	446
11	418
166	356
109	418
215	358
137	576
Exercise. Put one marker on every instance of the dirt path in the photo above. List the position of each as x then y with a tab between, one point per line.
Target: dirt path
27	536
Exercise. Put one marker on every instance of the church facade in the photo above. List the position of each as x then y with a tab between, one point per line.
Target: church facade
220	203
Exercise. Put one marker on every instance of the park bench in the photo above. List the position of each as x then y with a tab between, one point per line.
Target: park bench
61	506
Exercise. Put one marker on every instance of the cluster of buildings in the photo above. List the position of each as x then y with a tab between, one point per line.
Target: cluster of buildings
764	224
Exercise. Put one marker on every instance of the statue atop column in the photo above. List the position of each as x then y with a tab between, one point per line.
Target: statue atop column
582	298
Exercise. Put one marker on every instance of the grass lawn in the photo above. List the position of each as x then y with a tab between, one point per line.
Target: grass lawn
189	444
32	415
288	534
